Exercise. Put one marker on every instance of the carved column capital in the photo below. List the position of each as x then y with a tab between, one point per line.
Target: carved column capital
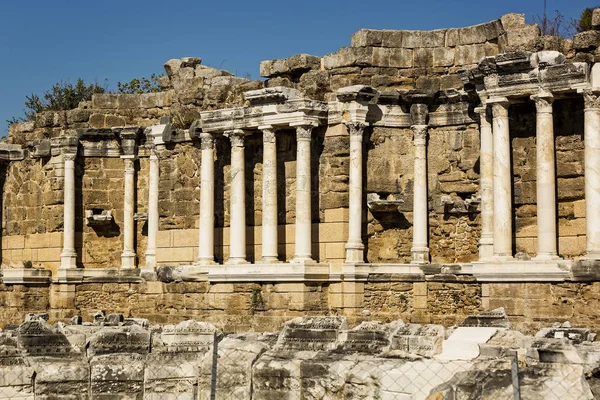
268	132
485	115
69	156
419	134
591	99
236	136
543	102
356	129
304	132
207	141
499	106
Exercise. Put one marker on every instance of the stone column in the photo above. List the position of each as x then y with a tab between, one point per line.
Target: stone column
152	209
592	173
354	247
546	177
68	256
486	184
502	179
237	197
420	247
269	196
206	243
303	251
128	255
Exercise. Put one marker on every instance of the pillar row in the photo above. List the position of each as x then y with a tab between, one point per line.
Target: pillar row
486	184
303	250
68	256
502	179
546	177
269	196
237	212
354	247
206	234
420	247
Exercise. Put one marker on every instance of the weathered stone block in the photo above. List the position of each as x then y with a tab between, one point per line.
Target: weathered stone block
105	100
586	40
443	57
348	57
367	38
472	35
512	20
522	37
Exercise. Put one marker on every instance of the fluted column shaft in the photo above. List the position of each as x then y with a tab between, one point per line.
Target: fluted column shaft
152	209
68	256
355	247
269	196
303	251
128	255
502	179
237	196
420	247
592	173
206	234
486	184
546	177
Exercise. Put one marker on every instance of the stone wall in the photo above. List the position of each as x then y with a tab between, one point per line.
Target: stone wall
310	357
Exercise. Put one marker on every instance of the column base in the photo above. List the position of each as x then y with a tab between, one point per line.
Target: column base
302	260
591	255
268	260
486	248
546	257
69	275
128	259
237	261
205	261
355	253
148	273
68	259
420	255
150	260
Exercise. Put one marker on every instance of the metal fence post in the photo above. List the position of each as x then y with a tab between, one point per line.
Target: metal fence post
213	379
515	376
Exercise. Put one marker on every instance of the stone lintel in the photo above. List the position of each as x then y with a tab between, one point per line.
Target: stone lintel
279	272
11	152
160	134
276	94
40	148
357	93
24	276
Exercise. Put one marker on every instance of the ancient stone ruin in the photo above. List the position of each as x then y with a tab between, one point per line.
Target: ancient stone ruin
421	176
311	358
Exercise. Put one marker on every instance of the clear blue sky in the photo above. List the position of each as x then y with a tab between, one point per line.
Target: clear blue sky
43	42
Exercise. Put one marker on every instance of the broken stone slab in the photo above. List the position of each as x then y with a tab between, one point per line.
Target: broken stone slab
418	340
349	57
359	93
123	339
463	343
503	343
235	358
36	338
311	333
276	94
371	337
491	319
296	64
575	335
187	336
11	152
551	350
40	148
117	376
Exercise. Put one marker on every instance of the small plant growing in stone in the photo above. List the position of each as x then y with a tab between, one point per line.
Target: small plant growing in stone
27	264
